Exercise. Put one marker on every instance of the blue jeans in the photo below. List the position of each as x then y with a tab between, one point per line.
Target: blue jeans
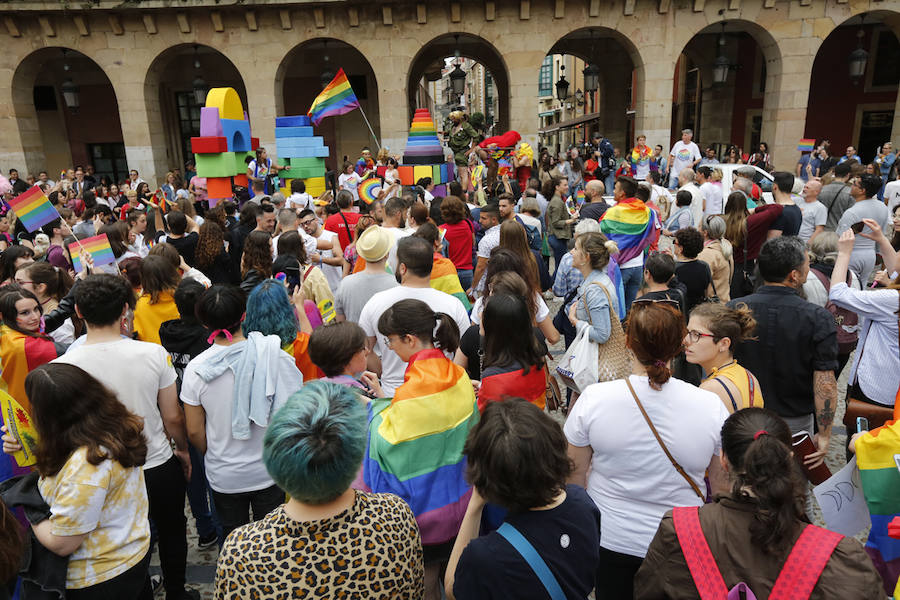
465	278
559	248
200	498
631	281
610	183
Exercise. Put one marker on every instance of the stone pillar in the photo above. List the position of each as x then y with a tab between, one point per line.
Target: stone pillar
653	105
22	147
895	129
524	66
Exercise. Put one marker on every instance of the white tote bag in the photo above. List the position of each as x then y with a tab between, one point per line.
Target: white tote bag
579	366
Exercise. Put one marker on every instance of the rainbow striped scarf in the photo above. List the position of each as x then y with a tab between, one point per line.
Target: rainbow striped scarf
632	225
880	478
444	278
416	442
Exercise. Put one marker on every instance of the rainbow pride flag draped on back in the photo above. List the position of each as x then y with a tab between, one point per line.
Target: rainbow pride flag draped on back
880	477
632	225
444	278
416	442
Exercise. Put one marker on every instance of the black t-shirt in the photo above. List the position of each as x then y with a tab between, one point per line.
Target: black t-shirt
593	210
677	292
789	221
185	245
696	277
566	537
470	346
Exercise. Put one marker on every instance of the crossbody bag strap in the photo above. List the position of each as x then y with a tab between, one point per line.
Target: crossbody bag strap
350	234
700	561
662	445
727	391
711	282
805	564
751	385
534	560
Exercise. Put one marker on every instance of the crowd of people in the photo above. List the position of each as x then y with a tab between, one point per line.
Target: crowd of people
359	400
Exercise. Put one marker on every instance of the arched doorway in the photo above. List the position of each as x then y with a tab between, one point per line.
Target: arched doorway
486	89
78	127
173	91
306	70
865	98
723	78
609	108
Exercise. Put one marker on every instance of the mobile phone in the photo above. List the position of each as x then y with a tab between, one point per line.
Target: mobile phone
862	424
857	227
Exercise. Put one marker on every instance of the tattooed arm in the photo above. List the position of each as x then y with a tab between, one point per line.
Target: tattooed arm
825	391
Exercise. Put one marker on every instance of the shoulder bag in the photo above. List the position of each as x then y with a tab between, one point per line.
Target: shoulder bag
715	297
534	560
662	445
612	356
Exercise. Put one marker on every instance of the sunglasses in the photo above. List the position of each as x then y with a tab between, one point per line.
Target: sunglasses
668	301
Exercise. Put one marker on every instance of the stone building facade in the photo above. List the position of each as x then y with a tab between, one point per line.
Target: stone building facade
128	56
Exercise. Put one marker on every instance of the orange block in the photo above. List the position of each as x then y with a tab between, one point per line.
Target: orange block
407	175
219	187
241	180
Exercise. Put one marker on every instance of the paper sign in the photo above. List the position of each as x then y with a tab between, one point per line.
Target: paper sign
842	501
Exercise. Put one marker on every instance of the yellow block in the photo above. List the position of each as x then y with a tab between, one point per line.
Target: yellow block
422	171
227	101
315	186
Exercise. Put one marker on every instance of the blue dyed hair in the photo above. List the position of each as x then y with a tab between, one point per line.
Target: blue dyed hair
314	444
270	312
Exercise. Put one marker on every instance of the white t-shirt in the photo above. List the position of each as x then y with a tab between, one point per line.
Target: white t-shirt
892	194
392	368
712	193
300	201
309	243
630	479
232	466
814	214
350	183
398	235
685	155
135	372
696	201
332	273
543	311
490	241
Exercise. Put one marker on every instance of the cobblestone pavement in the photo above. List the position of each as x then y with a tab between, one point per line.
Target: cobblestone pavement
201	563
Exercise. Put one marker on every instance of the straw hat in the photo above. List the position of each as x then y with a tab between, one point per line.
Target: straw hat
374	244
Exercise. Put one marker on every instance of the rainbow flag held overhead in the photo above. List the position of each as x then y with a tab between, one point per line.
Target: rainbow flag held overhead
632	225
444	278
879	471
336	99
806	145
416	442
33	208
98	247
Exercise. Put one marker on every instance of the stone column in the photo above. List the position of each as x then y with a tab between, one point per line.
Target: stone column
653	100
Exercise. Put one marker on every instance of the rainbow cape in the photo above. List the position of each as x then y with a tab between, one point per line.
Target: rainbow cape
33	208
416	442
336	99
531	386
445	279
632	225
19	355
879	474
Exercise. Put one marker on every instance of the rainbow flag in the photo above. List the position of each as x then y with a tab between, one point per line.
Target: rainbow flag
632	225
806	145
98	247
531	386
336	99
445	279
33	208
879	473
19	355
416	442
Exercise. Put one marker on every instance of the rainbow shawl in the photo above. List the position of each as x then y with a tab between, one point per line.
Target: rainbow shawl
20	354
416	442
444	278
880	478
639	157
531	386
632	225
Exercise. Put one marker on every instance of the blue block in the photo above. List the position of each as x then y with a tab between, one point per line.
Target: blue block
237	134
295	121
293	132
444	172
300	153
304	142
322	152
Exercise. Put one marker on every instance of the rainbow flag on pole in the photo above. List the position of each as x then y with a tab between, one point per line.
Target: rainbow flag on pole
632	225
416	442
806	145
98	247
336	99
444	278
33	208
878	459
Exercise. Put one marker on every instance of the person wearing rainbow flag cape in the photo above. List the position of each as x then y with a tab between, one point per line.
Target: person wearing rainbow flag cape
416	439
641	159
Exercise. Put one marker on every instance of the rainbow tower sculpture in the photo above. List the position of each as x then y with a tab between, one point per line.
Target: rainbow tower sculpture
424	155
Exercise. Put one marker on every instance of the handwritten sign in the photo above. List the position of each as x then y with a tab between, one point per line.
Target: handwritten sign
842	502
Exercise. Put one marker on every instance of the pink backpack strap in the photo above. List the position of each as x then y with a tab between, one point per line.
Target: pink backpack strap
805	564
696	552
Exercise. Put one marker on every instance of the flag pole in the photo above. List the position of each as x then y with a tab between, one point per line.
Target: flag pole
366	119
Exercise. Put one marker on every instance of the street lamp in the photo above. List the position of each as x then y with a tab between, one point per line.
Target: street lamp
562	86
326	76
457	75
858	59
722	64
199	85
591	78
70	94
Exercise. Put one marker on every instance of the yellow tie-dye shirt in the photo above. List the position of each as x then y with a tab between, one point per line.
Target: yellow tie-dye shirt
108	504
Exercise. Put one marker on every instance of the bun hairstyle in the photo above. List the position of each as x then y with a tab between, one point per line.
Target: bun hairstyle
737	324
598	248
414	317
757	444
654	332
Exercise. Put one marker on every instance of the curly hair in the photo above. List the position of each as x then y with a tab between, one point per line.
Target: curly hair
452	210
257	254
270	312
210	244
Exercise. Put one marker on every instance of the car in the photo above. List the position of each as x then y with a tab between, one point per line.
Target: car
760	177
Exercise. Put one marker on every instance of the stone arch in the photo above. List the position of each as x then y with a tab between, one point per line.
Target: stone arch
430	58
35	128
169	76
299	79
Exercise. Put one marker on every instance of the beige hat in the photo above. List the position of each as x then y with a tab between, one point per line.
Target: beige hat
374	244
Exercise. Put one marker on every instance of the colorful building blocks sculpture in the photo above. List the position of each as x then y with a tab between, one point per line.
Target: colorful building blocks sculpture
303	151
224	143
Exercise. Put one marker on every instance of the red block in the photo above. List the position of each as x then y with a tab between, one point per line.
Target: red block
407	175
208	145
381	170
219	187
254	143
241	180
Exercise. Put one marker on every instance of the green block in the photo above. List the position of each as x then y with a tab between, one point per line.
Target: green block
436	174
221	164
284	162
308	163
240	164
305	173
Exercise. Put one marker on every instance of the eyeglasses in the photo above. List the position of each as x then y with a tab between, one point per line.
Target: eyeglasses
668	301
307	222
695	336
24	282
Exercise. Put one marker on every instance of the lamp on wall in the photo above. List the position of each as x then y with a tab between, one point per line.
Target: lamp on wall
327	75
70	91
562	86
859	57
199	85
457	75
591	72
722	64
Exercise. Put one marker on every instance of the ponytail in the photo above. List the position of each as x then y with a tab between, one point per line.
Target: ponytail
414	317
446	337
757	444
